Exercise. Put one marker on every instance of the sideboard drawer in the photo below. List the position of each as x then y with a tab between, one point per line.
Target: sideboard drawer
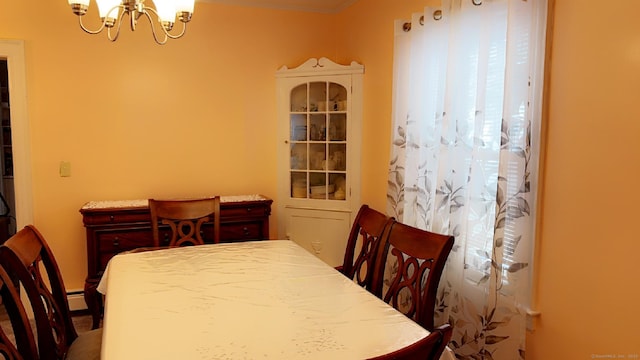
244	231
115	241
113	218
253	210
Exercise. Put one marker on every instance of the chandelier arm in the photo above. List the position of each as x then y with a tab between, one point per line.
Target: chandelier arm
184	29
112	39
166	33
153	28
93	32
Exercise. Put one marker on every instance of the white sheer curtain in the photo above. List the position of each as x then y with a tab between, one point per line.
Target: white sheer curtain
464	158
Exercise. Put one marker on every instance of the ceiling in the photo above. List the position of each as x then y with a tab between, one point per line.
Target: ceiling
321	6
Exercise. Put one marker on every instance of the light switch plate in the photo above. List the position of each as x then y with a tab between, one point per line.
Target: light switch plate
65	168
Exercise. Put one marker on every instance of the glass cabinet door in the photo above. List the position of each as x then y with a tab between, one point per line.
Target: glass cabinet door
318	122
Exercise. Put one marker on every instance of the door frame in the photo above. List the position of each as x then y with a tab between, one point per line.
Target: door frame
13	52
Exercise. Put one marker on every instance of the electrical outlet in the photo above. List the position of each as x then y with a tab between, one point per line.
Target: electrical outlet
317	246
65	169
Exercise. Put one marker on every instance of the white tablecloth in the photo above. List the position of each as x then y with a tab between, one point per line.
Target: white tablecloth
251	300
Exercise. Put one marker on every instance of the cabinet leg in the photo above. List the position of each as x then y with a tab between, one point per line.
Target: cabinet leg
94	301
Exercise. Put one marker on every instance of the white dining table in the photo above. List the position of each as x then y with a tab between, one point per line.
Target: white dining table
249	300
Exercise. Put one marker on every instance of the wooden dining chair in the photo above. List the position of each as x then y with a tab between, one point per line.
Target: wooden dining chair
28	260
23	344
427	348
185	219
362	244
408	268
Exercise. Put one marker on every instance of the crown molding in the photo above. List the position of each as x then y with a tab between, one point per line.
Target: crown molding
319	6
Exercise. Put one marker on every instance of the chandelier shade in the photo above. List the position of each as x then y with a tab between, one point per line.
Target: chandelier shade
112	13
165	9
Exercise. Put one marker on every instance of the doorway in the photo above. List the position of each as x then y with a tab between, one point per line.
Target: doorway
12	53
7	189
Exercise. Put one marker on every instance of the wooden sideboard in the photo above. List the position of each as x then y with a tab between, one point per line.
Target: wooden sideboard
116	226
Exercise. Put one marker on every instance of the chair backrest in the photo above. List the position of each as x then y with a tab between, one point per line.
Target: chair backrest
413	284
362	244
23	345
185	218
28	260
427	348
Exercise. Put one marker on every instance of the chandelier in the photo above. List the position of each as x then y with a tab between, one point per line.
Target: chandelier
112	13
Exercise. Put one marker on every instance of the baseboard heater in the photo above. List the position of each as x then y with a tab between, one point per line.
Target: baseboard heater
76	300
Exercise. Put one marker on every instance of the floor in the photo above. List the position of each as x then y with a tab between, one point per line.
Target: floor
81	321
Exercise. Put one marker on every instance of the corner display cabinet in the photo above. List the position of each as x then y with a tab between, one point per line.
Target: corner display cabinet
320	121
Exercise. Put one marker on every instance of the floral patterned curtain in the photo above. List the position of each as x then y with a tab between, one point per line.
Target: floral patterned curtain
464	155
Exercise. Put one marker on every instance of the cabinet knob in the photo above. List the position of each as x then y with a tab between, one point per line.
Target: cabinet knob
111	218
116	242
249	209
245	230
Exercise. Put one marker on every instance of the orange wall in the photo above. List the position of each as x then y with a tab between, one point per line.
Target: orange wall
588	288
104	107
136	120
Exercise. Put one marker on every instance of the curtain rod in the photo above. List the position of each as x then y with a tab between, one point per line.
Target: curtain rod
437	15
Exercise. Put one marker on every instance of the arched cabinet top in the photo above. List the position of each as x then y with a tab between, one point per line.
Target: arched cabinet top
322	66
